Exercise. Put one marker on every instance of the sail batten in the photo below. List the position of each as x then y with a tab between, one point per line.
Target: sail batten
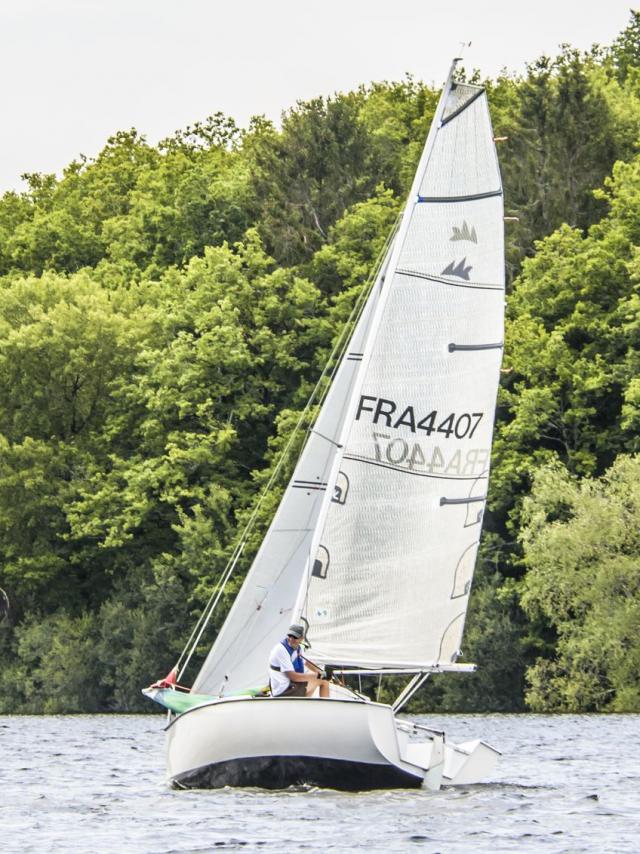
435	200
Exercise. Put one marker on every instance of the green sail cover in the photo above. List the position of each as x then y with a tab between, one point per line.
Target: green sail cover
179	701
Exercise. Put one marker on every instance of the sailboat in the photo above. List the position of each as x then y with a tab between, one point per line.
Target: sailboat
373	546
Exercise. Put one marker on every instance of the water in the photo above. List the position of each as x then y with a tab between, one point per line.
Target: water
96	784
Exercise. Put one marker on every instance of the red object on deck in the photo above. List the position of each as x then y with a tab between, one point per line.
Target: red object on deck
169	680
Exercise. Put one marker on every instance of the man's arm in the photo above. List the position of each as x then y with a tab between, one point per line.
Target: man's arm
312	667
296	677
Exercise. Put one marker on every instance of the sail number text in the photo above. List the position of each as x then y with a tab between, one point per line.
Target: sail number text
387	413
431	460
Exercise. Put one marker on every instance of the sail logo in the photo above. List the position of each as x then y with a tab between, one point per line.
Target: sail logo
464	233
461	270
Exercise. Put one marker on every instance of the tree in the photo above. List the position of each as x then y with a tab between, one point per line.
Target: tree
625	50
563	142
582	550
309	174
571	350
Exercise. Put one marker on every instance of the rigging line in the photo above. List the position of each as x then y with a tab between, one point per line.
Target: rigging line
220	590
216	594
339	347
196	628
409	690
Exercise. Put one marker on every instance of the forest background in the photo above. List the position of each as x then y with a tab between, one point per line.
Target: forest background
166	310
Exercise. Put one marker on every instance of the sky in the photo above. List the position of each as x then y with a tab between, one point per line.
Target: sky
76	71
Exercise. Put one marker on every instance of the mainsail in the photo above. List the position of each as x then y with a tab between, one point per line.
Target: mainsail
374	543
398	555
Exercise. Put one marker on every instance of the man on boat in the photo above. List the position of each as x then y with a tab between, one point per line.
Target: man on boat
288	676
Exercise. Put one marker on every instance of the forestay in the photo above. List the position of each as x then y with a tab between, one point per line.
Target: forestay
391	579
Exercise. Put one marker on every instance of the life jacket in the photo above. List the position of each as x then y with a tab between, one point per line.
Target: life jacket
298	663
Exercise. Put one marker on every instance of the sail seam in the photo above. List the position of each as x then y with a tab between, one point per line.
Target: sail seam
441	281
409	471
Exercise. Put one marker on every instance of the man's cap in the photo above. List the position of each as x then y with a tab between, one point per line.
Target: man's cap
296	631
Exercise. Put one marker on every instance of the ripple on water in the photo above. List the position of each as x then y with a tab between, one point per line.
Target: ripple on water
83	791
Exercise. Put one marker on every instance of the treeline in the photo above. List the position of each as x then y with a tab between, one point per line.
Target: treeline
166	310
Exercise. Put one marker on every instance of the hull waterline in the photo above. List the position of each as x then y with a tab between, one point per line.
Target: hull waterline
283	772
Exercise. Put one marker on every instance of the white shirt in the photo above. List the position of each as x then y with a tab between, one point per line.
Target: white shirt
279	657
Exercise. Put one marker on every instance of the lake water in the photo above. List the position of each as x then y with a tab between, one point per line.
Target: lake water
96	784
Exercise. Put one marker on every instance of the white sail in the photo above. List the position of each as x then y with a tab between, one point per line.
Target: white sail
391	582
375	539
264	606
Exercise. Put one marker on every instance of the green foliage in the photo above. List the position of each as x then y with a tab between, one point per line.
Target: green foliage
64	344
568	121
34	485
494	639
54	667
354	245
572	350
625	51
332	154
581	543
309	174
135	205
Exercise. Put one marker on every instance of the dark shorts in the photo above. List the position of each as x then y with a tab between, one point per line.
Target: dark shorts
295	689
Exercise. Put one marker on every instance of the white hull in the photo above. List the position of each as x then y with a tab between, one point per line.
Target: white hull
277	742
